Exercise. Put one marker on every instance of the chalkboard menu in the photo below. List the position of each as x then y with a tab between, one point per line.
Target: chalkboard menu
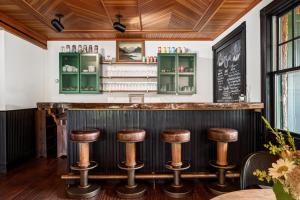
230	66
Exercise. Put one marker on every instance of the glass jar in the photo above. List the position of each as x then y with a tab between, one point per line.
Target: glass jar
90	49
79	49
95	48
68	48
74	48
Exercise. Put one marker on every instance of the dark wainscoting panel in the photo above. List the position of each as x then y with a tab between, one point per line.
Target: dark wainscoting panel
3	142
153	152
17	136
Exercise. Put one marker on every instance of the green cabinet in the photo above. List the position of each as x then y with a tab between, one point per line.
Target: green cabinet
176	73
79	73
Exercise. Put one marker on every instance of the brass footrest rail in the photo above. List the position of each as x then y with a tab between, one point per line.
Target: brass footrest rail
187	175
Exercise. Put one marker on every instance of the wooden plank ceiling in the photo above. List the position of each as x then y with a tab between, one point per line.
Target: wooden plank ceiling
145	19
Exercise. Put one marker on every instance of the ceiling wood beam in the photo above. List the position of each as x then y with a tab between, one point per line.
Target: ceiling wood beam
107	13
17	28
208	14
252	5
129	31
27	7
140	14
130	39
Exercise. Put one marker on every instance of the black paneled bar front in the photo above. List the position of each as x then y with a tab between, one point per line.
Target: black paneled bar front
153	152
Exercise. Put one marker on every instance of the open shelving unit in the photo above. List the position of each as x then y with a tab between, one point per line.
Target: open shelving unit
140	78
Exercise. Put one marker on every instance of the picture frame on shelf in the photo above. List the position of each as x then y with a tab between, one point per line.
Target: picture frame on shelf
130	51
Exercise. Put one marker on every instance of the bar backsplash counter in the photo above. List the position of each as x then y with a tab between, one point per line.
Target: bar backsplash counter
153	118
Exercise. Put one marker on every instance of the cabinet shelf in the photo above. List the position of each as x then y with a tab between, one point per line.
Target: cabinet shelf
88	73
115	77
167	73
69	73
107	62
147	91
186	73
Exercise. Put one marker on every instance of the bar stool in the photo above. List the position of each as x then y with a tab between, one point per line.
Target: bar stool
83	138
130	137
176	137
222	136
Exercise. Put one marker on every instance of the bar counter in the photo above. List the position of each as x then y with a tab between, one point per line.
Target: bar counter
153	106
154	118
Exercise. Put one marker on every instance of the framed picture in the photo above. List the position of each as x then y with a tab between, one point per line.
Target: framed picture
130	51
229	67
136	98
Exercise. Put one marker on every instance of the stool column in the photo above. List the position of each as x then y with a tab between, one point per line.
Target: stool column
130	162
176	155
222	148
130	154
84	155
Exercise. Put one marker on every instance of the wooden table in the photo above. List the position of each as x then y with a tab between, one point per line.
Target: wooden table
252	194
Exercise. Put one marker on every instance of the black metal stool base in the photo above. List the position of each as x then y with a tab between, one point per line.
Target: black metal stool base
83	193
178	191
126	192
218	189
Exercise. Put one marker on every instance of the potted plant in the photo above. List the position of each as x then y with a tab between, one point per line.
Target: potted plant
285	173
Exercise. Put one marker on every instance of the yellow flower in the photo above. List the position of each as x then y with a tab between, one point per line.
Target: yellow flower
281	168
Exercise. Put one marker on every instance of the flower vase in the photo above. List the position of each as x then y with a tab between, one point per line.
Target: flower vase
280	193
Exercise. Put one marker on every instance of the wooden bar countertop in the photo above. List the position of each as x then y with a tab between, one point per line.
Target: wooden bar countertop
151	106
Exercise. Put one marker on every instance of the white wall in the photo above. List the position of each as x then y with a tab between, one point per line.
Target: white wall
29	74
23	73
204	72
253	64
2	71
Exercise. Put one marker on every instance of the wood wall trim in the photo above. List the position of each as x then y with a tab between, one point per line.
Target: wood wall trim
22	31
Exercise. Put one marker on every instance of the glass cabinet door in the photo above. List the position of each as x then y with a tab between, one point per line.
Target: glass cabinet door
89	73
69	72
167	73
186	84
167	84
186	74
177	73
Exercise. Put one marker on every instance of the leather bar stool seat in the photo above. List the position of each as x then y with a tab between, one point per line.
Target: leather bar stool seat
176	136
131	135
223	134
83	138
87	135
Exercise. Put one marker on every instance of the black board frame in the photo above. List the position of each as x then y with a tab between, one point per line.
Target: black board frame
236	34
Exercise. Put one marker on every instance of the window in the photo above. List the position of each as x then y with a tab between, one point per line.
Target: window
286	69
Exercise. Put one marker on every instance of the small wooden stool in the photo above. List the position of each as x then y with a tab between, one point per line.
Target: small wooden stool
175	137
222	136
83	138
130	137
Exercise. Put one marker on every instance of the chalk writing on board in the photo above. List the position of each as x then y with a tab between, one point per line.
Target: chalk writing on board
228	77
